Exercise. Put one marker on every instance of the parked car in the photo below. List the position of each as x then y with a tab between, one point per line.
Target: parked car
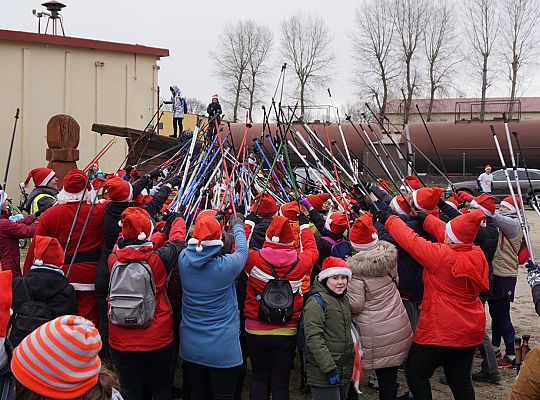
500	186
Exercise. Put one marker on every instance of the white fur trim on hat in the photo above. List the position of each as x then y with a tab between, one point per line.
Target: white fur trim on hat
328	272
38	262
47	179
474	204
215	242
508	205
451	234
451	204
398	209
279	244
365	246
416	203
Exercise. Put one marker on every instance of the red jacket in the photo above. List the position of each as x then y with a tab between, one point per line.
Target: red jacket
10	233
160	331
259	273
454	275
56	222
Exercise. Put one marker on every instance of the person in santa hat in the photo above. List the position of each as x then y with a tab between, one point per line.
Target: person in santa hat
272	347
13	228
505	271
214	115
45	190
485	181
209	330
262	210
45	282
452	321
57	222
329	346
143	355
376	306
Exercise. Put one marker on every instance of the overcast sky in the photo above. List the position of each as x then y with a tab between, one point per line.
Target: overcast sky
189	29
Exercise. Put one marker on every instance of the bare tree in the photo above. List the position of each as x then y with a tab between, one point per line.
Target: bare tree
259	44
410	18
520	38
482	26
441	47
373	52
195	106
231	62
306	44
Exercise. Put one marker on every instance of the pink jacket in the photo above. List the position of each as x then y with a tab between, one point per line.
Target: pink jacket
376	307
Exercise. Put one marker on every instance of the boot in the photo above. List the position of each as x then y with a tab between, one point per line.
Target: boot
484	376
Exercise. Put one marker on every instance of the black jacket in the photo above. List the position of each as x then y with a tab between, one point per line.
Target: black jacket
45	202
47	286
258	233
214	110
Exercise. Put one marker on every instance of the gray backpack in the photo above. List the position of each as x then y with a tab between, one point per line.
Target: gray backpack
132	294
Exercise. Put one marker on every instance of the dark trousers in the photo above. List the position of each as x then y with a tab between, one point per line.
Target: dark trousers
501	324
387	379
140	369
271	362
209	383
423	360
178	125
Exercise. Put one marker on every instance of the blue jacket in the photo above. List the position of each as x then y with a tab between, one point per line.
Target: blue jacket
210	327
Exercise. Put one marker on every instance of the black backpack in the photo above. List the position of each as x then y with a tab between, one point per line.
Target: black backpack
30	316
276	305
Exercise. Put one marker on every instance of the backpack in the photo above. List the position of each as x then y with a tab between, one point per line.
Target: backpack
132	294
30	316
276	304
340	248
301	336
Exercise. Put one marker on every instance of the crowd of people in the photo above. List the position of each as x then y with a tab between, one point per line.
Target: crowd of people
119	286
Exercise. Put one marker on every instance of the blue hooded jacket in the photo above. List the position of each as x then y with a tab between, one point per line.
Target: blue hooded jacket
210	327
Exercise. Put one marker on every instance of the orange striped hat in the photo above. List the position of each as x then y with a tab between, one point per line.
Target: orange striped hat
59	359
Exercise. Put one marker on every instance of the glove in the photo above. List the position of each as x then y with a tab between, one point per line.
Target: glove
305	202
381	216
251	217
16	217
240	209
219	215
168	224
155	189
236	221
303	219
154	174
333	377
420	217
536	298
128	169
366	184
175	181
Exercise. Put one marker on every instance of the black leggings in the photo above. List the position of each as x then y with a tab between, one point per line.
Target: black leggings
140	369
423	360
209	383
178	122
501	324
387	378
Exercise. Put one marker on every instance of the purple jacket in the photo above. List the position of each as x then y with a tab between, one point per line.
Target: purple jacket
10	233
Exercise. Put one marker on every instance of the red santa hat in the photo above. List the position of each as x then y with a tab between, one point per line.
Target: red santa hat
486	203
333	266
40	176
336	223
215	96
279	232
317	200
75	182
413	182
463	229
487	167
266	204
136	224
290	211
207	232
119	190
47	251
513	204
452	202
426	199
363	234
385	185
400	205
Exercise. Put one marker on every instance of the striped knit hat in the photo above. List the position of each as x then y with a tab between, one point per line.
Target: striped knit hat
60	359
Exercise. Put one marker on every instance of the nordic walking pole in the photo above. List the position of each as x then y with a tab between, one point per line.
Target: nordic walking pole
431	140
340	129
509	182
534	200
77	212
4	183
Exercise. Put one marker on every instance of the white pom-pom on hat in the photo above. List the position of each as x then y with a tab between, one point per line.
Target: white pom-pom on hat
483	223
120	224
275	239
374	235
38	262
198	248
141	236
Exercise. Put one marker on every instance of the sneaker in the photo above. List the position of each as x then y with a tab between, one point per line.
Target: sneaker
498	354
505	362
406	396
484	376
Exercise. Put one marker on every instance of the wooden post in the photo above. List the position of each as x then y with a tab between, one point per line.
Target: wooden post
63	134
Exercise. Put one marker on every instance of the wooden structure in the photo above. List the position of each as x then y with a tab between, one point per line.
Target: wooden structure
63	134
